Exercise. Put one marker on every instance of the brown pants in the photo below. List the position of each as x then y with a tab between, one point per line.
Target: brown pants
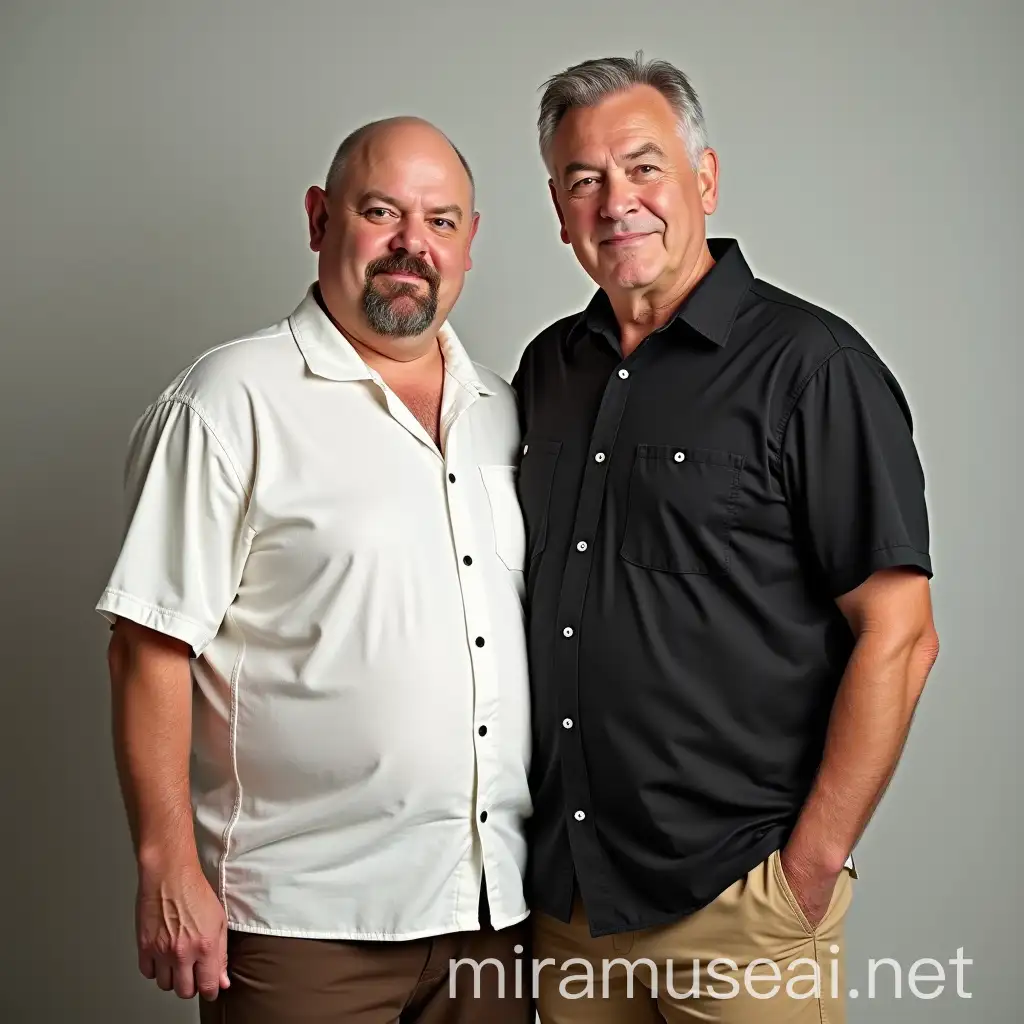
308	981
755	931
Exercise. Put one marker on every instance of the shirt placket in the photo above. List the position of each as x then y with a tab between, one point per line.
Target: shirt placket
464	518
566	663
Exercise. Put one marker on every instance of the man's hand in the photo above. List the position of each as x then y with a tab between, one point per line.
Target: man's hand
182	932
811	882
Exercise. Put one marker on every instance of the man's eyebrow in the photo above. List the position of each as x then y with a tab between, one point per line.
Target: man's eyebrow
380	197
450	208
647	149
577	165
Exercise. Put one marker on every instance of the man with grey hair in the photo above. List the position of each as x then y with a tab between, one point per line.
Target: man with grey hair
318	659
728	589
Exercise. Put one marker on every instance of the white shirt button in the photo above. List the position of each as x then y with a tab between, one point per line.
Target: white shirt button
582	546
623	374
526	448
566	723
679	456
599	457
579	815
567	631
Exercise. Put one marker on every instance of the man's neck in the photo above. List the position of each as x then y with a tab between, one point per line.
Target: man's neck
640	313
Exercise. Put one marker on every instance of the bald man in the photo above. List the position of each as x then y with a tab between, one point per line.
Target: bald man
317	659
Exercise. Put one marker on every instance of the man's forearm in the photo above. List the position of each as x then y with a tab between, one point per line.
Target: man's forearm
870	721
151	691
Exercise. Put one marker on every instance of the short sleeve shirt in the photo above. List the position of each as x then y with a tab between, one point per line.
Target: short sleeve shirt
693	511
353	596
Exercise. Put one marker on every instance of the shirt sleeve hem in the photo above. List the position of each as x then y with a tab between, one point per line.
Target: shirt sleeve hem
115	604
895	556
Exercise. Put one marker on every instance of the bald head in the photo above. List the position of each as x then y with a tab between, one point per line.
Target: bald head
402	132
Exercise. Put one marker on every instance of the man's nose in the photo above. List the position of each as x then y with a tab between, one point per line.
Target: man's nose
620	198
412	238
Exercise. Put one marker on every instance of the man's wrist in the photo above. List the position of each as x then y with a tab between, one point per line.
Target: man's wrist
815	855
161	854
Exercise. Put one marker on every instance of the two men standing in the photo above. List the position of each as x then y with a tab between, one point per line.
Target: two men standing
724	570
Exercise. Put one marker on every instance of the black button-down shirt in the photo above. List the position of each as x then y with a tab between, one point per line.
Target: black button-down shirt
693	511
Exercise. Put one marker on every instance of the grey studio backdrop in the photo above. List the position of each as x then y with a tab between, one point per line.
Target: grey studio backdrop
153	159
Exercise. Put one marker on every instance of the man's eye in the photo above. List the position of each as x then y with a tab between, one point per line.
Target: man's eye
377	212
441	222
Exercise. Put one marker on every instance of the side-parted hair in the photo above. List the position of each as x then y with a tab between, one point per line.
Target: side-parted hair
586	84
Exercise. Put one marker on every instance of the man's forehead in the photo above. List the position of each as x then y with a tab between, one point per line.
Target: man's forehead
618	121
412	174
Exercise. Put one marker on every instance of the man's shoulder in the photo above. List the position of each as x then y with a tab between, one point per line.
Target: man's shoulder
546	343
222	390
810	332
811	342
228	368
493	380
556	331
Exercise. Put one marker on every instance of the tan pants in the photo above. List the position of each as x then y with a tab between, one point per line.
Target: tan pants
669	973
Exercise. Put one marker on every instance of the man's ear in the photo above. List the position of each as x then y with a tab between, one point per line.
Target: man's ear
317	216
707	181
558	209
474	224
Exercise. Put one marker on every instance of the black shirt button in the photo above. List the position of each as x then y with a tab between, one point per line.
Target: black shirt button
451	477
479	641
483	815
482	730
467	560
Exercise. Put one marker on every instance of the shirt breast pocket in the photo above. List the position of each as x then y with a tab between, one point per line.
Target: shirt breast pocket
536	477
506	517
681	509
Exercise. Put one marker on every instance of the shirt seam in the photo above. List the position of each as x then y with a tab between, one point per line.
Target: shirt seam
218	348
236	810
192	403
149	605
801	388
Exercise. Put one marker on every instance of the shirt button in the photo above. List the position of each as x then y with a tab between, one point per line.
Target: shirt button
566	723
582	546
467	560
623	374
482	730
451	477
579	815
567	631
483	815
479	641
599	457
679	456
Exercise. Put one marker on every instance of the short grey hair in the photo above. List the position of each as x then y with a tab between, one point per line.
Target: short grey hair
586	84
351	141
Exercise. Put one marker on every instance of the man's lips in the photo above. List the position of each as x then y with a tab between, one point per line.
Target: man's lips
401	276
632	238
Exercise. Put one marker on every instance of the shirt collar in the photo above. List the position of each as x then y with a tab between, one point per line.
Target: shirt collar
709	309
328	353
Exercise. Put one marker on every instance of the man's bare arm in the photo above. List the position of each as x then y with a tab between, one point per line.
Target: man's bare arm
896	645
151	683
181	928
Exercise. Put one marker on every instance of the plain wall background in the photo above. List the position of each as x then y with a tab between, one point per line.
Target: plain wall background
153	160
